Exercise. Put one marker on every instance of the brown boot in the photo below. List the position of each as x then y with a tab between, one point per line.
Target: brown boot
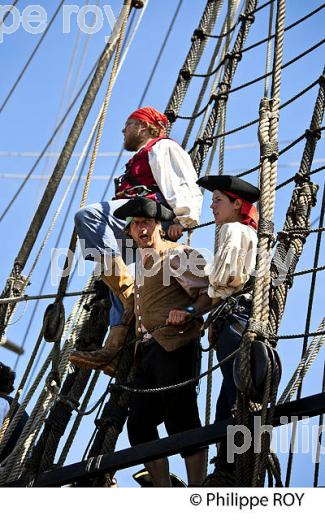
122	284
109	354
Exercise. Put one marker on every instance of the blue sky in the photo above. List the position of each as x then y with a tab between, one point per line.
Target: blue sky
27	121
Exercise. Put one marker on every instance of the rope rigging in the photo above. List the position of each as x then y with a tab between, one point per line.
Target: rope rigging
41	155
64	280
307	325
257	44
295	231
211	13
58	239
227	21
62	121
199	154
66	87
291	26
65	219
229	31
316	131
144	93
62	162
251	467
285	65
48	26
126	48
264	76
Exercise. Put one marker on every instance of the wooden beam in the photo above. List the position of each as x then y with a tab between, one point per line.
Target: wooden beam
306	407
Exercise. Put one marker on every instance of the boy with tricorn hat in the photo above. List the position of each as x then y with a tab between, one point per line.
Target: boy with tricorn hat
160	170
170	288
237	219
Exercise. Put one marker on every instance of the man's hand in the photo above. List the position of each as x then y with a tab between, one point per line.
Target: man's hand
178	317
175	231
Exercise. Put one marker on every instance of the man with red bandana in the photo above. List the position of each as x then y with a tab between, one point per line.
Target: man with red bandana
160	170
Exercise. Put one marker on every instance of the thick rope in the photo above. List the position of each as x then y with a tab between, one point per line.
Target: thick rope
307	329
199	41
125	52
268	52
78	314
258	323
290	246
101	118
61	165
200	152
48	164
46	448
206	81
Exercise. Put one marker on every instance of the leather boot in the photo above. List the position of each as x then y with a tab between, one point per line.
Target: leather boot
122	284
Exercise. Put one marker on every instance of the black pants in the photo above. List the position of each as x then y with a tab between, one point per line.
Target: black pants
228	340
176	408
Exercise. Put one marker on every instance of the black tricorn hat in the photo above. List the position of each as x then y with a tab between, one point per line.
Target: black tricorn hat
143	207
243	189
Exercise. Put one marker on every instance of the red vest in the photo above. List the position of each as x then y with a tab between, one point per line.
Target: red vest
138	179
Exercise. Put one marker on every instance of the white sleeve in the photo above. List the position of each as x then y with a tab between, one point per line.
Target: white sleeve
188	269
174	173
234	261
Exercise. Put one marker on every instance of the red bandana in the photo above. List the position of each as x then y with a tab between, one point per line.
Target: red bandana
151	116
248	211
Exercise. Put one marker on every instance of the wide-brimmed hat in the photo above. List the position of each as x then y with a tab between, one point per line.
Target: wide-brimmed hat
143	207
242	188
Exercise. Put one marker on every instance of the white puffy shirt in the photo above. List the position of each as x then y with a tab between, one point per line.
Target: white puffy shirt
176	177
234	260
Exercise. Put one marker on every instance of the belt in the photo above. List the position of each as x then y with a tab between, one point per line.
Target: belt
231	304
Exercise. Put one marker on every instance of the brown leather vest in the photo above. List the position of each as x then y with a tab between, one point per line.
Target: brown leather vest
154	300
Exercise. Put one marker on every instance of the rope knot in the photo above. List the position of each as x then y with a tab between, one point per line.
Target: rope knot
205	141
186	73
17	284
260	328
171	115
17	268
301	178
234	55
249	17
274	114
223	93
198	34
266	228
137	4
270	150
316	132
213	97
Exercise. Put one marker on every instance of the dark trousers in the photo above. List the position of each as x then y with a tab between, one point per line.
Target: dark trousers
228	340
177	409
